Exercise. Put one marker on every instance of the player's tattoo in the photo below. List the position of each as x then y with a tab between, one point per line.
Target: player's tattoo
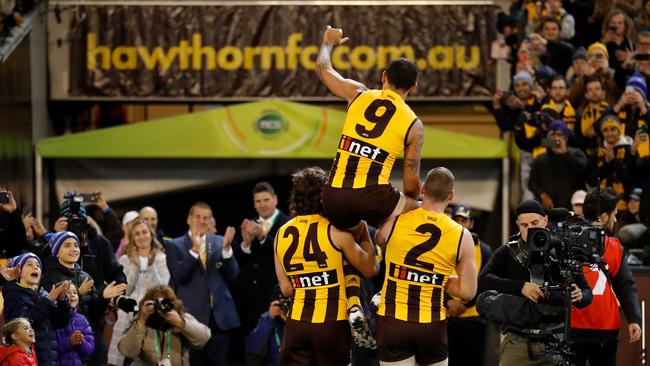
324	60
412	164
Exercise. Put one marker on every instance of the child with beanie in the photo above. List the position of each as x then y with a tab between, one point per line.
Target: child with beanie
63	266
76	340
47	311
18	339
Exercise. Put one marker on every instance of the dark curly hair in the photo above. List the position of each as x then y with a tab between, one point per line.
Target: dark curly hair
305	195
598	202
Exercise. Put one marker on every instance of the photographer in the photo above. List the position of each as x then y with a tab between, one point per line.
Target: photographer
559	172
97	259
507	106
506	275
597	67
632	106
163	332
263	343
595	328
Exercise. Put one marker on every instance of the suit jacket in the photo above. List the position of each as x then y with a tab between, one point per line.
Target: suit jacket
194	284
257	279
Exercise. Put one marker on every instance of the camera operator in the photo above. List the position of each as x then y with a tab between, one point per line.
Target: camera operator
163	332
504	274
595	328
97	259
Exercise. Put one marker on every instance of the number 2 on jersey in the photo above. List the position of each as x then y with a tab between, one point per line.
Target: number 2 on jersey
311	249
380	121
412	256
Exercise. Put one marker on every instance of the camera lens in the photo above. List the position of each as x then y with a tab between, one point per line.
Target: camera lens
539	240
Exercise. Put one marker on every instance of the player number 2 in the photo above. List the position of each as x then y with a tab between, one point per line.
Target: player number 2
428	245
380	121
311	250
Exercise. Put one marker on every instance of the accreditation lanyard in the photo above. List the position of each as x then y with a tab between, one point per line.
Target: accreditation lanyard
168	336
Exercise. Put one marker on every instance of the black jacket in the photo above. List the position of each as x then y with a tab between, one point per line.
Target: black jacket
55	272
13	240
558	175
97	260
505	275
257	279
45	316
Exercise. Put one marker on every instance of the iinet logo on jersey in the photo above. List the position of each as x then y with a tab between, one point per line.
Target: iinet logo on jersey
361	148
413	275
315	279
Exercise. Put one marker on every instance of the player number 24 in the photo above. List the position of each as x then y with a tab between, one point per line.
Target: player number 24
311	249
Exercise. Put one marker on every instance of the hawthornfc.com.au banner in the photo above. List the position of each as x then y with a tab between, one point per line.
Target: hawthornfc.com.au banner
248	52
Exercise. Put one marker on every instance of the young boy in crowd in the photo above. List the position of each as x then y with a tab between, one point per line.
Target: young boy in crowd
63	266
18	339
76	340
47	311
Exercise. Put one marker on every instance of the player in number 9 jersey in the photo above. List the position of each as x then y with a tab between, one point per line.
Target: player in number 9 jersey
422	249
309	258
378	126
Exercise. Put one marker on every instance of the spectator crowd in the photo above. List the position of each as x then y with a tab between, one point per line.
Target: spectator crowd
578	104
97	289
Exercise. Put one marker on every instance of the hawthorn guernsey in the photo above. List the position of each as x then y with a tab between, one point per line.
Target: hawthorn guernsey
362	148
404	273
317	279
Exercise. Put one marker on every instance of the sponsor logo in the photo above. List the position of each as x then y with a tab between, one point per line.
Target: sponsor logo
271	124
413	275
358	147
315	279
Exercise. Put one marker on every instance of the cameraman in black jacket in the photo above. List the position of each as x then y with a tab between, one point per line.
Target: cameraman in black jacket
504	274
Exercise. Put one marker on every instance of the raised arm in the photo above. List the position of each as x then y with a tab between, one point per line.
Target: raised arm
343	88
412	154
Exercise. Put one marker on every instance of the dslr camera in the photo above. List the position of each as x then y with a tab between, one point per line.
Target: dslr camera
157	321
284	303
163	305
77	222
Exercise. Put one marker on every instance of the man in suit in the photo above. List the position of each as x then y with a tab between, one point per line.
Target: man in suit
201	264
254	254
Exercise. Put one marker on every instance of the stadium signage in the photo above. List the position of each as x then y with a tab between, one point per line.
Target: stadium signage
249	52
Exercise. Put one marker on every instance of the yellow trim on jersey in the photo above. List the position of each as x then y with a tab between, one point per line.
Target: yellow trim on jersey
421	254
373	136
314	267
478	259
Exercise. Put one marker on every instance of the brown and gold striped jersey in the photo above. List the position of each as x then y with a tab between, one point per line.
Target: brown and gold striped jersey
374	134
421	254
314	267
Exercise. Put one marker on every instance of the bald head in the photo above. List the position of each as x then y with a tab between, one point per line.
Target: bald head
439	185
149	215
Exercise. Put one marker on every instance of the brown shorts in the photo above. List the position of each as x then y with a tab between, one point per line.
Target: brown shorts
345	207
316	343
398	340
